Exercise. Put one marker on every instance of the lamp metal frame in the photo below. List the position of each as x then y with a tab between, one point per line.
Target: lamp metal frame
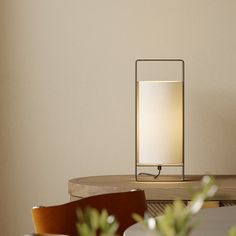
136	123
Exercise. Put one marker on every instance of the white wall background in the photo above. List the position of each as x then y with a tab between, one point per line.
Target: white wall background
67	91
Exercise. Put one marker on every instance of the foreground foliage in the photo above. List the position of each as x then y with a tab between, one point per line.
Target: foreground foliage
176	220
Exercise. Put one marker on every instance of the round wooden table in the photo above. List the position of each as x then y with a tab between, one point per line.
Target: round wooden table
158	194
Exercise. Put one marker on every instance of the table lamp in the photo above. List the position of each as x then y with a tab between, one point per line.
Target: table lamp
159	117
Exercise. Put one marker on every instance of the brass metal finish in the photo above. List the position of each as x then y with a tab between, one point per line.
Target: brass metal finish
136	126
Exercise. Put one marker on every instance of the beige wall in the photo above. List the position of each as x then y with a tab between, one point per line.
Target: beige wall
67	91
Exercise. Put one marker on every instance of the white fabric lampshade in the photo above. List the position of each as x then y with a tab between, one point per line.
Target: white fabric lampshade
160	122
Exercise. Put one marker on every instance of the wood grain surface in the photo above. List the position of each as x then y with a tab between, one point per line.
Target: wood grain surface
94	185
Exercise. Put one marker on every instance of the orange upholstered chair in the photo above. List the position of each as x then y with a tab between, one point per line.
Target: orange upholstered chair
62	219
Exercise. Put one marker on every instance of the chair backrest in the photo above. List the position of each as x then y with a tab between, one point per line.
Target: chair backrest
62	219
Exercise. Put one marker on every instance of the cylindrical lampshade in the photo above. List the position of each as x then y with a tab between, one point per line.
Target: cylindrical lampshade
160	122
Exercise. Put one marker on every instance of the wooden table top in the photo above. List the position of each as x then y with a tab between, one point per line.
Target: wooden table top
94	185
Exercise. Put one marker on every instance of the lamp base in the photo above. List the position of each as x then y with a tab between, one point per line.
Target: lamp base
162	178
158	177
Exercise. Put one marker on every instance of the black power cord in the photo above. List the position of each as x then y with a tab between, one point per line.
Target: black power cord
154	176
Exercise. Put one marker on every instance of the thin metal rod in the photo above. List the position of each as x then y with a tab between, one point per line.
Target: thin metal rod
136	122
164	165
183	142
160	60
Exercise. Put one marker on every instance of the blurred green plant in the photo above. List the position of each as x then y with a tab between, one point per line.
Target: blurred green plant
232	231
91	222
176	220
